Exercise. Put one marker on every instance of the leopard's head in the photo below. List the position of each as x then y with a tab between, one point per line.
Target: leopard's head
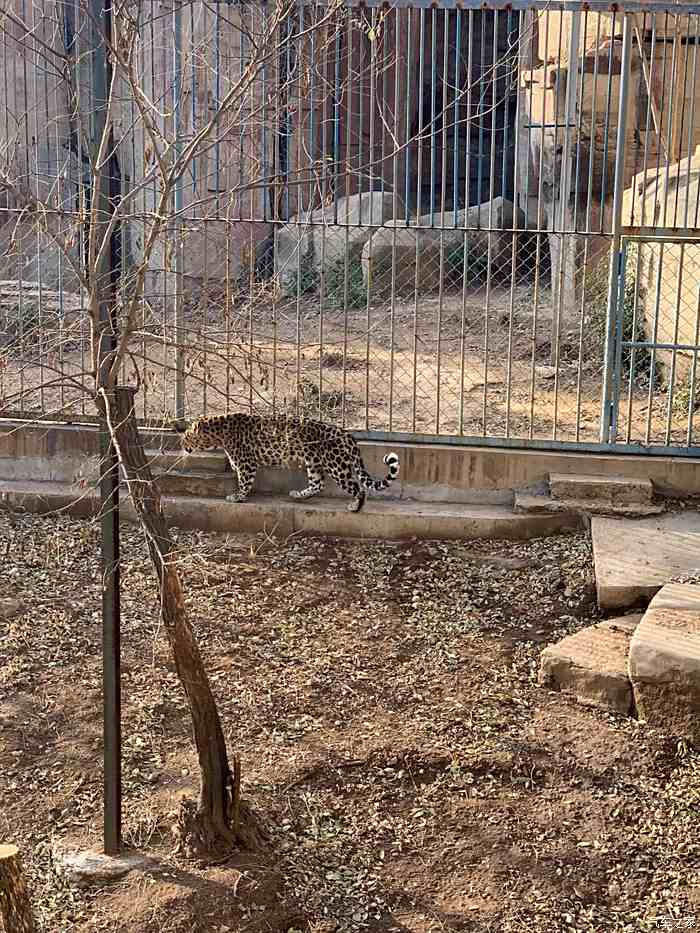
199	436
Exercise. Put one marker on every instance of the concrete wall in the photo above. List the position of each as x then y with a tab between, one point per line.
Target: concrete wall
435	473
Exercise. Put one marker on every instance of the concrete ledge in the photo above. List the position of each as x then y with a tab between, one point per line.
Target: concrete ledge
429	472
379	519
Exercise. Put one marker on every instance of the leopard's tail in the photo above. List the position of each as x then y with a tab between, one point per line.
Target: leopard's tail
392	462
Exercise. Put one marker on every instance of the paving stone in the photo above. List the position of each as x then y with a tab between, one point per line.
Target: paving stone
591	665
634	559
617	489
664	662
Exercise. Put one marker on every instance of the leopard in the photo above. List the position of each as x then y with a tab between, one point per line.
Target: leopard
251	441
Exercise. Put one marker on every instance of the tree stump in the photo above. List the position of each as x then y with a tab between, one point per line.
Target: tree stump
15	907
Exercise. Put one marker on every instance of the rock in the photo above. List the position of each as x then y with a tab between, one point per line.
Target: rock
422	256
634	559
664	662
591	665
301	249
669	198
9	608
94	868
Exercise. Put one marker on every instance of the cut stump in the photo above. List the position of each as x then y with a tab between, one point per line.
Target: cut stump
15	907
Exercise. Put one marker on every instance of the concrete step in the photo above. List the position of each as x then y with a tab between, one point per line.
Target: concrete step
208	461
620	490
646	664
634	559
389	519
529	502
591	665
664	662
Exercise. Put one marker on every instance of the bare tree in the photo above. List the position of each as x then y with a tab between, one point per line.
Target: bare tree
113	104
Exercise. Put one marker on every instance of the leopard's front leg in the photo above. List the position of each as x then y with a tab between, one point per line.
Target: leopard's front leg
245	473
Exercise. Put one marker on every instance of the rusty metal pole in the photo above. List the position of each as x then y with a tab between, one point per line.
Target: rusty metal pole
103	184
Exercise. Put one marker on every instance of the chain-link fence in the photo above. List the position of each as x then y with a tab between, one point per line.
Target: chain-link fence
398	219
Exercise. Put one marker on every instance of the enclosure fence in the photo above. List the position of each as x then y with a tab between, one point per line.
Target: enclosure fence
451	222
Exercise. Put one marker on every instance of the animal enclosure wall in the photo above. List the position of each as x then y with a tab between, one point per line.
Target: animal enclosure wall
400	219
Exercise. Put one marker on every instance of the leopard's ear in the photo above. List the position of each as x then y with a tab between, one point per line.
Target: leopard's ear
180	427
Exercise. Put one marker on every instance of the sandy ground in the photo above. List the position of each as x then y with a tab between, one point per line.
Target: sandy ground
410	772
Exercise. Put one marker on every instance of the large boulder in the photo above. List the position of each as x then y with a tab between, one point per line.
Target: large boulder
319	239
418	256
670	312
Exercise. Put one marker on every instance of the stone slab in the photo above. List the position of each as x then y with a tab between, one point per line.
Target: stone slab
664	662
616	489
92	867
389	519
634	559
591	665
527	502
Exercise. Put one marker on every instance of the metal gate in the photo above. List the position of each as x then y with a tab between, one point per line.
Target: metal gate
655	340
405	226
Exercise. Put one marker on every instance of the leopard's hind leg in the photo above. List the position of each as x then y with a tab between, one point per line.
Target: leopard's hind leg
314	472
343	477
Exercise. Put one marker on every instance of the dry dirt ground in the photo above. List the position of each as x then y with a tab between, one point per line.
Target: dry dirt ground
412	775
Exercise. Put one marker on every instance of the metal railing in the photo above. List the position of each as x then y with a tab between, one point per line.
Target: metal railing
415	221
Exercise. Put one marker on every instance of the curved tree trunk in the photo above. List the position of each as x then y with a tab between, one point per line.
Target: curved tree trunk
218	820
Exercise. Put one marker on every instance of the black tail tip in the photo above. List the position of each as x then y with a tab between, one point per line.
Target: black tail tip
391	460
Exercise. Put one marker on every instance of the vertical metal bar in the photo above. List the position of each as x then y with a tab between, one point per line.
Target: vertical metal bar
564	196
691	121
109	473
618	342
674	352
433	106
371	168
513	65
40	333
407	116
493	82
465	247
538	251
178	220
633	333
609	357
455	116
396	17
693	373
672	119
654	339
419	181
443	191
348	168
606	132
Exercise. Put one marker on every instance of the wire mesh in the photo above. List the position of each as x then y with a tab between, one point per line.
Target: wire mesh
398	219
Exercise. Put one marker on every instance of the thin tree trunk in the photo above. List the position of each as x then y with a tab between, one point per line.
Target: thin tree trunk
219	819
15	907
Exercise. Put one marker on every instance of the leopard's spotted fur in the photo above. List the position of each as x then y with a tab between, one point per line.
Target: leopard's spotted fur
250	441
